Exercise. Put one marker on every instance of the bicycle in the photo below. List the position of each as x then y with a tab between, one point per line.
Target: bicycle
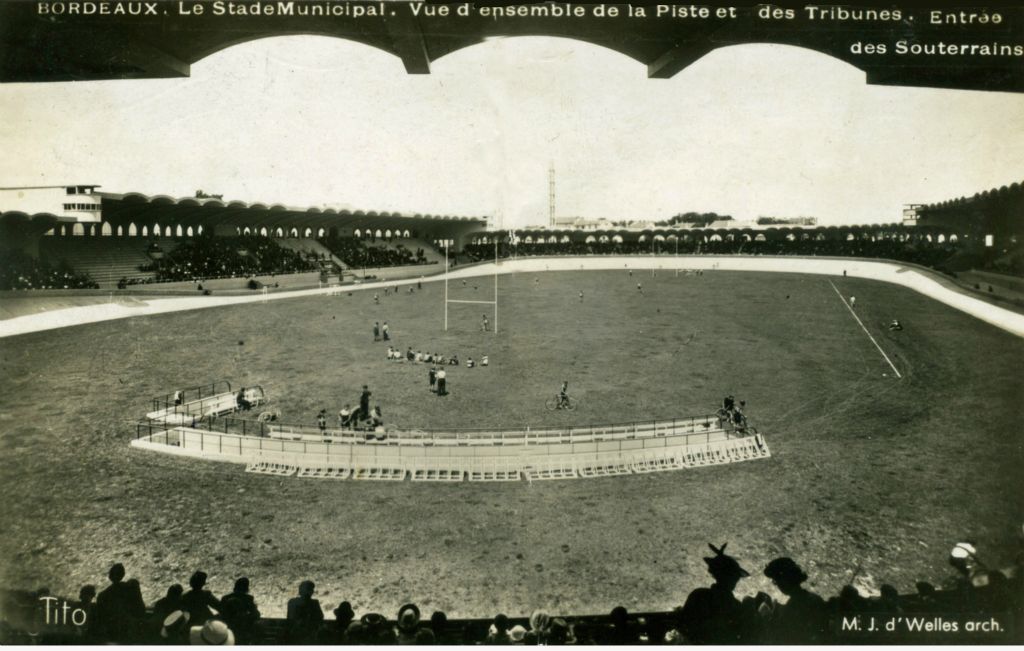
556	402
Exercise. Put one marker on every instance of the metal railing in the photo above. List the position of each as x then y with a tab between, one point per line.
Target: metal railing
616	456
192	394
217	403
636	429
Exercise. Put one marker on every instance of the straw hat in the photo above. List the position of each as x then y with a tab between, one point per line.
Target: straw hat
213	633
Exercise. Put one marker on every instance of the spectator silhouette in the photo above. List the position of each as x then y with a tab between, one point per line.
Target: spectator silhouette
439	627
558	632
373	628
713	615
199	602
425	637
304	615
888	600
167	604
119	608
803	618
239	612
619	630
408	624
848	601
86	602
498	633
343	616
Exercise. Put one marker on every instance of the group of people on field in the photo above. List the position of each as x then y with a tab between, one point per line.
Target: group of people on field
732	411
362	418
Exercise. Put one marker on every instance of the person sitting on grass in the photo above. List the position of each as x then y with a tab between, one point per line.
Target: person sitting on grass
739	419
241	402
470	363
376	418
895	325
345	417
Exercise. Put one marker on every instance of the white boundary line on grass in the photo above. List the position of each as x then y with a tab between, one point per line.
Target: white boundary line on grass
861	324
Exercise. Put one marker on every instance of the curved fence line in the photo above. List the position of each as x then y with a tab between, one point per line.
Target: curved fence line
544	458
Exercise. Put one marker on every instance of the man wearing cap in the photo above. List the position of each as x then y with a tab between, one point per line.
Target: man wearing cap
803	618
713	615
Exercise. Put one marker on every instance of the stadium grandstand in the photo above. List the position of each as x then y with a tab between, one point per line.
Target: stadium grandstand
76	236
68	237
983	232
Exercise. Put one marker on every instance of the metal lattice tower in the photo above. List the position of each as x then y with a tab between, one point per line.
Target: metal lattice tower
551	195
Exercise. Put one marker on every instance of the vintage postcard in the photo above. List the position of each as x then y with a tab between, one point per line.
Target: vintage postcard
398	322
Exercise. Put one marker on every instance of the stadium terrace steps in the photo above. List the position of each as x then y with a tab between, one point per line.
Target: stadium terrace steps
310	245
105	259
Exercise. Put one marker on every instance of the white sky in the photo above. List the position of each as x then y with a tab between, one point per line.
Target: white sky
748	130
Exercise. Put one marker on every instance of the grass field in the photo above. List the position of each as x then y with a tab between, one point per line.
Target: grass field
872	478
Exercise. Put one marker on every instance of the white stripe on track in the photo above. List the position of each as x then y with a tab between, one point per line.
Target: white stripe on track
861	324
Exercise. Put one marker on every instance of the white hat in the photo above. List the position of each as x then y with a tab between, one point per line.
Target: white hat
517	633
177	619
963	550
213	633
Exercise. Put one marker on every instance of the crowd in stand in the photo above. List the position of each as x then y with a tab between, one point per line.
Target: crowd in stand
356	254
923	253
709	615
208	257
18	270
229	257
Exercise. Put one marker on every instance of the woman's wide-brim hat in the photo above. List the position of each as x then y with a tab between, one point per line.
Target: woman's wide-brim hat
213	633
723	565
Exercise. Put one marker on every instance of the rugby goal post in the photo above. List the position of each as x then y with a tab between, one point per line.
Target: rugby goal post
448	300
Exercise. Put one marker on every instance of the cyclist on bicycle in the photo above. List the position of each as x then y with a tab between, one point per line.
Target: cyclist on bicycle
563	395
